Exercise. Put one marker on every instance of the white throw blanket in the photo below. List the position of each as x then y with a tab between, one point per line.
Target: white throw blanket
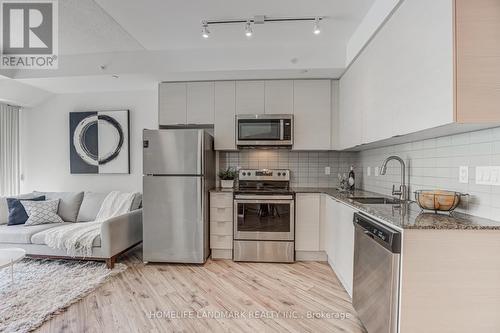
77	238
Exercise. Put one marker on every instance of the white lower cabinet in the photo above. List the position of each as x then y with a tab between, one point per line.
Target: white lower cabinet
343	244
307	221
339	239
221	225
329	211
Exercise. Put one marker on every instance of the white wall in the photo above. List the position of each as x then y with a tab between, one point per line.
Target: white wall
21	94
375	17
45	141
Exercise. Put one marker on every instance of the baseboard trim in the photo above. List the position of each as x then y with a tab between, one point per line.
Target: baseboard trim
310	256
222	254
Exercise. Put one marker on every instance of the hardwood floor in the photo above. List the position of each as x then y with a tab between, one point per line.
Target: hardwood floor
180	298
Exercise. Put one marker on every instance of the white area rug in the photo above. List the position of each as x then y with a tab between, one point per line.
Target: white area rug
43	288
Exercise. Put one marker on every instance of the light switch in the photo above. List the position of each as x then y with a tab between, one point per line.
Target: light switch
369	171
327	170
463	174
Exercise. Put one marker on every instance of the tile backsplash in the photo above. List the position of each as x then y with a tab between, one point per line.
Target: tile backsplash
435	163
431	164
307	168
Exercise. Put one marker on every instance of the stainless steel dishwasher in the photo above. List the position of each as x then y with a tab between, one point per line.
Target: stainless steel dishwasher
377	251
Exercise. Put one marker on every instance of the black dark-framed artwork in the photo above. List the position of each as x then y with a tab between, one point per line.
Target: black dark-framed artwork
99	142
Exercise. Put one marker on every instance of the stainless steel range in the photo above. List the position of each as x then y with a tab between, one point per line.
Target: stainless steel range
264	217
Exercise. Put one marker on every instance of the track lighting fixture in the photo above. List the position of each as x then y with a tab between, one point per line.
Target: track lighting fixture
205	33
260	19
316	29
248	29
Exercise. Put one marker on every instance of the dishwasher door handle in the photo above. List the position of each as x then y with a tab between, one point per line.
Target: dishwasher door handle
369	234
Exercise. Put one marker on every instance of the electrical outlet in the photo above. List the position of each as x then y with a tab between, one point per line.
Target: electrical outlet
377	171
327	170
495	175
369	171
463	175
483	175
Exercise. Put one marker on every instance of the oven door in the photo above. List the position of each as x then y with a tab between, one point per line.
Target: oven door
258	217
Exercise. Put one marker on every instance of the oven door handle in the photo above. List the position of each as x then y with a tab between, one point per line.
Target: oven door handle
267	201
263	197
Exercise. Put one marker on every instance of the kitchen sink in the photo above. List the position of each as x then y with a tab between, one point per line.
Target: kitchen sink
376	200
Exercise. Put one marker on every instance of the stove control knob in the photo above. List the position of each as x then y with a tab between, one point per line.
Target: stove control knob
243	174
279	173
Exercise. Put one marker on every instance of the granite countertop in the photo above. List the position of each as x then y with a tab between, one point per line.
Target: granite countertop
407	216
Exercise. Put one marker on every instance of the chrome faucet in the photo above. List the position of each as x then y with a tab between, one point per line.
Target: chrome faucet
403	190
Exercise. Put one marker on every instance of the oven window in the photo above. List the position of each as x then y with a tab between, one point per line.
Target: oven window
259	129
264	217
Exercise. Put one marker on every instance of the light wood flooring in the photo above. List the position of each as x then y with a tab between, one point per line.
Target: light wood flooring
143	297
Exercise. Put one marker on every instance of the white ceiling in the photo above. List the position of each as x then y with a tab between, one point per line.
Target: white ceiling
147	41
176	24
85	28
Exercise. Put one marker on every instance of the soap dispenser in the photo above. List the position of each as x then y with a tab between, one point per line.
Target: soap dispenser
351	179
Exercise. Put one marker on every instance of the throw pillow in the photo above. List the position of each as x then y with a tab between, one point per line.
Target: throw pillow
41	212
17	213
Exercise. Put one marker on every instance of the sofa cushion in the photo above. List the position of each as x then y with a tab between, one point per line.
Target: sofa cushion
92	202
137	203
41	212
39	238
4	211
21	234
4	208
69	203
17	213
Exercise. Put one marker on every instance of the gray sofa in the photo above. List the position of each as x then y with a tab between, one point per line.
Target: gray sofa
118	234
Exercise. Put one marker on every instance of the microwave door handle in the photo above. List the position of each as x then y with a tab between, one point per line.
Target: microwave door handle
282	129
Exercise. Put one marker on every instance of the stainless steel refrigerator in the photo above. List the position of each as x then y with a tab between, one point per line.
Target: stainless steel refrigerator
179	170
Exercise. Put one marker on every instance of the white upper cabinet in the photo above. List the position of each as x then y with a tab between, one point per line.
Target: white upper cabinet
225	111
278	97
350	111
307	223
200	102
402	82
312	114
314	104
250	97
334	127
172	103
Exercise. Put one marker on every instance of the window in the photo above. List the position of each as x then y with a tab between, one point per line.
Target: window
9	150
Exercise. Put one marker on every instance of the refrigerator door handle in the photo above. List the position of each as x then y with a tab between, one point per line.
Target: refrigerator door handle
201	149
201	206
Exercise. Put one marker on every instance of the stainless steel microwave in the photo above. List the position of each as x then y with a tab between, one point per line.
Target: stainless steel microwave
264	130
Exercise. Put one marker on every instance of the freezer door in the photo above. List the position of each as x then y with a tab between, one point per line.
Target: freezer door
175	225
173	152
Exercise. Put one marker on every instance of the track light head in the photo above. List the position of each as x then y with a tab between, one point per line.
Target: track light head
205	33
316	29
248	29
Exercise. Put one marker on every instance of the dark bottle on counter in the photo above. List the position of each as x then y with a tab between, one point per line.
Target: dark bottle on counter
351	179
